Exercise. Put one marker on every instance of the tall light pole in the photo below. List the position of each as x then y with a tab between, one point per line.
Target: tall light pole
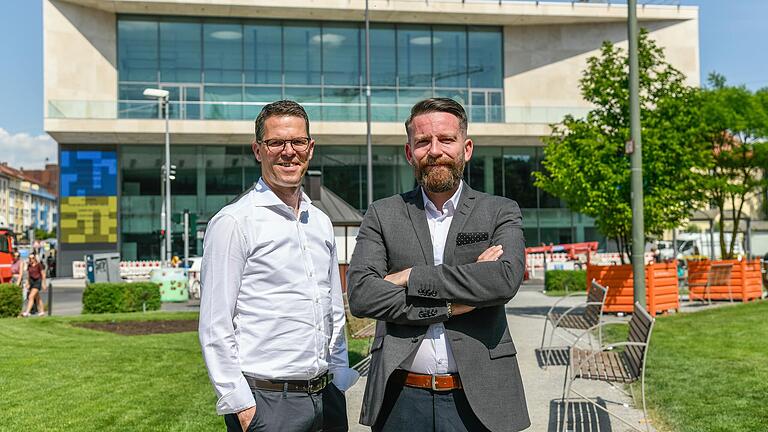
638	223
368	144
162	97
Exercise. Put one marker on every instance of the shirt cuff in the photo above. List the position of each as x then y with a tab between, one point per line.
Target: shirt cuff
237	400
344	378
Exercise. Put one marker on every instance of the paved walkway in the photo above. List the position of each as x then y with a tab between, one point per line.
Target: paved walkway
543	388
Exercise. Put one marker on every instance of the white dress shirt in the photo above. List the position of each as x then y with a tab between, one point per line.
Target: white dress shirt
434	355
271	304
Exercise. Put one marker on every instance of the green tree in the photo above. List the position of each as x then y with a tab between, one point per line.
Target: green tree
585	161
737	127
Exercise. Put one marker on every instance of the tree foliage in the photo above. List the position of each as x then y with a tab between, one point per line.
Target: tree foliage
585	161
737	127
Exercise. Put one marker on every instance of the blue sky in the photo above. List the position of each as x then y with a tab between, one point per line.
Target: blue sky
732	42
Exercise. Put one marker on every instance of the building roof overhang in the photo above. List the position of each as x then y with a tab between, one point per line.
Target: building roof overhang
404	11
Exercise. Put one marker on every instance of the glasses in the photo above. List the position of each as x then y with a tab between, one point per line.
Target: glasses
278	145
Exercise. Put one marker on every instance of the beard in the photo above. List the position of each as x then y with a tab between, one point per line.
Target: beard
439	174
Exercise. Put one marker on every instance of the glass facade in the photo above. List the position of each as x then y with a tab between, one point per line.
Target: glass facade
208	177
228	68
217	68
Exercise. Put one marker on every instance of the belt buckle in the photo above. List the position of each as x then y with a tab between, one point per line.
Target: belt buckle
434	381
318	384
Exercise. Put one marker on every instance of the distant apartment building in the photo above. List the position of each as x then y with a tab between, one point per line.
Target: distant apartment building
47	178
25	204
514	65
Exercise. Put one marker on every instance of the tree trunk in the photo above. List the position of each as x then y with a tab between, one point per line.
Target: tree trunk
721	234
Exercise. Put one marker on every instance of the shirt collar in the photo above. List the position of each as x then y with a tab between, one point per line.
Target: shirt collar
264	197
449	207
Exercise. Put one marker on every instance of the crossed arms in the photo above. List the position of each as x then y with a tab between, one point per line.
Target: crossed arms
420	295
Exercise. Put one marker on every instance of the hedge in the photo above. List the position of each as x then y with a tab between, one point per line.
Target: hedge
121	297
566	280
10	300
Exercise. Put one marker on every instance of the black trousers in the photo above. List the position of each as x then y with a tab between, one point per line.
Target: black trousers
278	411
422	410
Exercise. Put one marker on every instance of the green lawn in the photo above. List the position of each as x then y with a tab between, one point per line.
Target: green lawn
708	371
54	376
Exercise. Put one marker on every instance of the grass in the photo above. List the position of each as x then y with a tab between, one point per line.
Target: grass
708	371
54	376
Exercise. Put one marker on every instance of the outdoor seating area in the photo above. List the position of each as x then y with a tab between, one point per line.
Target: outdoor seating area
574	321
731	280
611	364
662	291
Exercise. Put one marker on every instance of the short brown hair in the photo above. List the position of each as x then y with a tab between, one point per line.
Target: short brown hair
280	108
431	105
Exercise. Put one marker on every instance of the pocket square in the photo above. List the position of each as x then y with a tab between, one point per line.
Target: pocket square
465	238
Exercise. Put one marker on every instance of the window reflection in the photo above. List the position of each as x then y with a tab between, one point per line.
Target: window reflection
180	51
243	60
222	45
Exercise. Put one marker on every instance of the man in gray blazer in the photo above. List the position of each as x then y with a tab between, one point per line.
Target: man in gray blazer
435	267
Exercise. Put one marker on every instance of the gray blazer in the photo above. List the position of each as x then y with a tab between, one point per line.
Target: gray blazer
395	236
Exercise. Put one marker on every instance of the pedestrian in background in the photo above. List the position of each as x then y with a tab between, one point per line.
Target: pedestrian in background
36	279
18	268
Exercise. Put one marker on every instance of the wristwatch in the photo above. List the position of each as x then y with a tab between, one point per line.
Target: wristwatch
450	309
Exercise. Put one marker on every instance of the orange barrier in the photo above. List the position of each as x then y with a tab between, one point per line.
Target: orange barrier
661	288
746	283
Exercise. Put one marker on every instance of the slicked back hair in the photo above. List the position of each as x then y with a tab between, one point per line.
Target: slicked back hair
280	108
431	105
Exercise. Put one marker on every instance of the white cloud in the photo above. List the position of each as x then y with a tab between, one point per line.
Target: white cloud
23	150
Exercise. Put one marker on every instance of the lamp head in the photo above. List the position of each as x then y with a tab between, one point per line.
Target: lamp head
156	93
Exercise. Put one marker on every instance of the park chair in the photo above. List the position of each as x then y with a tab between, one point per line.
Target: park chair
574	321
608	364
716	275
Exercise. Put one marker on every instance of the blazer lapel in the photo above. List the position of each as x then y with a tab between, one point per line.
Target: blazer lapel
415	204
463	210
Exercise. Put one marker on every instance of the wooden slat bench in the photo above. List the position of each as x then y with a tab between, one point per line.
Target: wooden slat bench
611	365
574	318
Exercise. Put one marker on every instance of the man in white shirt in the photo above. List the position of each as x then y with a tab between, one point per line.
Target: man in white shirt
271	311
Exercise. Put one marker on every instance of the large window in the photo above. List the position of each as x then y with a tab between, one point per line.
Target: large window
217	68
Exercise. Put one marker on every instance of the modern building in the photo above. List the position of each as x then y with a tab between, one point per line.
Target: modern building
515	65
25	204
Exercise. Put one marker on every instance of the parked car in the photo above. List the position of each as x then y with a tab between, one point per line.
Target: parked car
193	272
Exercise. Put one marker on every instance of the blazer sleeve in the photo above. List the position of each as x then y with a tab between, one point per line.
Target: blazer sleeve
484	283
371	296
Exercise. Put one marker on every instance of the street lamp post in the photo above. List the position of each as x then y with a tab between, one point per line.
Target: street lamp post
162	97
368	145
638	222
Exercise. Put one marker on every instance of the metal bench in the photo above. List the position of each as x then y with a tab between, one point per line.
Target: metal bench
574	318
611	365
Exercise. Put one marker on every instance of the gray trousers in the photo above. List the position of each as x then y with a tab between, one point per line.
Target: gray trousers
421	410
278	411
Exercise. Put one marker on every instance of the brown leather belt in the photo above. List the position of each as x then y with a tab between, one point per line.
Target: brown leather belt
313	385
439	382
